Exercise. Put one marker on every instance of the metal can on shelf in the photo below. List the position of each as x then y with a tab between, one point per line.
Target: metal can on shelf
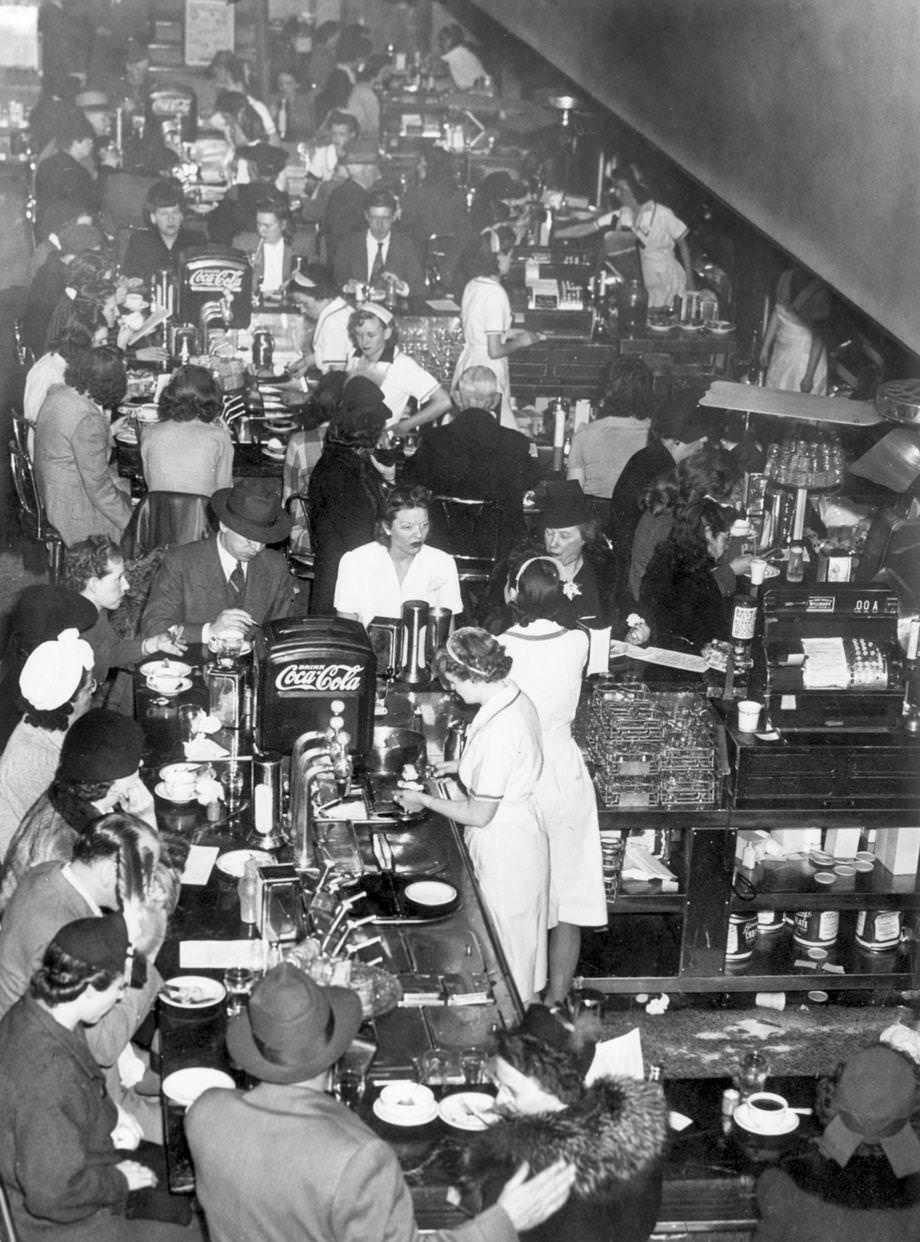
816	928
742	935
878	930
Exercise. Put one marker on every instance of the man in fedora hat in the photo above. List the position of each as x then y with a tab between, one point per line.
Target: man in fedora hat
286	1160
230	583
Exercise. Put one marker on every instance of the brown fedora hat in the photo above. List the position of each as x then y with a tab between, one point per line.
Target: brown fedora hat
293	1029
252	513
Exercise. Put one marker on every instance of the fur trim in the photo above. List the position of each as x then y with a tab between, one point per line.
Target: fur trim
613	1134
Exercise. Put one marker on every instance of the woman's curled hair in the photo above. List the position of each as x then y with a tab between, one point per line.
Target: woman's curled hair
399	498
472	654
538	584
99	373
191	393
62	978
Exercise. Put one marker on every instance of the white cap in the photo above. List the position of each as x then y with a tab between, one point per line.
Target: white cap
53	671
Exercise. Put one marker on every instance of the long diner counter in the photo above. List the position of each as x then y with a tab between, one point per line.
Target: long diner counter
709	1175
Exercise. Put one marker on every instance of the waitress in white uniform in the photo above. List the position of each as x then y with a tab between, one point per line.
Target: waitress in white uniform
498	772
549	662
658	231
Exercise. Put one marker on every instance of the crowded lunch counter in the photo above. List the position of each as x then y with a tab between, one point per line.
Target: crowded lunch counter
460	758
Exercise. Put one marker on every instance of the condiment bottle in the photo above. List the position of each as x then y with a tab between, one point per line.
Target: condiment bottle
248	890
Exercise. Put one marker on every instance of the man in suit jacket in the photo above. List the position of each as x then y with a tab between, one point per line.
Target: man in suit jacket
287	1160
230	583
378	255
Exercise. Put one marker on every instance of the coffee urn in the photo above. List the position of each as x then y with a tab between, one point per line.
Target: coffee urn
302	666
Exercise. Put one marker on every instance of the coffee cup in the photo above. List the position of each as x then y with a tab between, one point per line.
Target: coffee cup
748	715
179	781
767	1113
758	570
164	683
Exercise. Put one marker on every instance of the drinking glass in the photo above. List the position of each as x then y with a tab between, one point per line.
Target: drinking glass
191	719
239	982
472	1064
751	1073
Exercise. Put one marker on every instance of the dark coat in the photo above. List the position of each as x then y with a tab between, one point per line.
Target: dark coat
474	457
62	180
147	253
345	501
681	601
811	1199
56	1157
642	469
190	589
615	1136
596	605
45	292
402	260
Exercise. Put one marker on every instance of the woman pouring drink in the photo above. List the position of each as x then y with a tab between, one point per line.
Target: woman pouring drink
503	828
375	579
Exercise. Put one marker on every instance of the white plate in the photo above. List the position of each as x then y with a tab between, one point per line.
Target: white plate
233	863
405	1117
274	454
185	1085
126	437
742	1116
160	790
468	1110
720	327
172	668
430	892
194	992
660	327
180	687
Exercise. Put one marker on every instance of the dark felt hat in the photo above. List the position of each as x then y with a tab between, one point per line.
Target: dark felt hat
101	746
557	1032
252	513
268	160
874	1101
101	943
563	504
363	408
42	612
681	418
293	1029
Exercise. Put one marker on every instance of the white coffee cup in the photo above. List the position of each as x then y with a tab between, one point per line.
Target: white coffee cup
164	683
179	781
758	570
767	1113
749	715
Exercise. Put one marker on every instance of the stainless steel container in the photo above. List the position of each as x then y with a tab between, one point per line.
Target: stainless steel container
392	749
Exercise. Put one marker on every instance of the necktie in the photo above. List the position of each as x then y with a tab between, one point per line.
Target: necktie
282	119
237	580
377	269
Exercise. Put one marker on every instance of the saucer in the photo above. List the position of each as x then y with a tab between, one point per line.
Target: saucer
191	992
720	327
233	863
183	684
742	1115
160	790
184	1086
172	668
405	1118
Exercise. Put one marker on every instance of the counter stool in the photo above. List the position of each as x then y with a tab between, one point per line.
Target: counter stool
7	1227
167	519
471	531
32	516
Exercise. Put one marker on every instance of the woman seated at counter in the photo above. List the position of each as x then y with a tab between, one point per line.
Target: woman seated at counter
680	598
374	335
504	830
188	450
273	255
377	578
614	1131
571	536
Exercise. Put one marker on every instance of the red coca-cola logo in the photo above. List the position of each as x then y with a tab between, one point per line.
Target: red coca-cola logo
175	105
339	678
227	279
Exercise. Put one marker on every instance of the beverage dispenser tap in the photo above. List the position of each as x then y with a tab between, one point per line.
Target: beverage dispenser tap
306	770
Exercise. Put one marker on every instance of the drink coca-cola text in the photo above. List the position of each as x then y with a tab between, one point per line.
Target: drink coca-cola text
225	278
171	105
340	678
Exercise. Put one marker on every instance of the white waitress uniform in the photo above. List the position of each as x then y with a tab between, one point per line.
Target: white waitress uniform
501	763
548	665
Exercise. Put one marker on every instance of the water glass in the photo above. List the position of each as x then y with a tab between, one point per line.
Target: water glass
751	1073
239	983
472	1065
191	721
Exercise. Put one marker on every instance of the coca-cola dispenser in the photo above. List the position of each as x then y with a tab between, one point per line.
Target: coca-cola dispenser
302	665
217	283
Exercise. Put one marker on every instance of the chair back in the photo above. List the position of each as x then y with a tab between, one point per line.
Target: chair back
470	530
23	431
21	351
167	519
32	516
8	1231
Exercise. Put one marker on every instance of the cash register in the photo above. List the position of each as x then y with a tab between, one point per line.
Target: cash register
830	672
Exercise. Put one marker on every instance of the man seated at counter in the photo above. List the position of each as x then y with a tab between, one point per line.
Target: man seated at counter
163	244
227	584
376	579
287	1160
378	255
472	456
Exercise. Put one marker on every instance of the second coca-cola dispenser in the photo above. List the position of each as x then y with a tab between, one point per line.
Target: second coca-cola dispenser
303	665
